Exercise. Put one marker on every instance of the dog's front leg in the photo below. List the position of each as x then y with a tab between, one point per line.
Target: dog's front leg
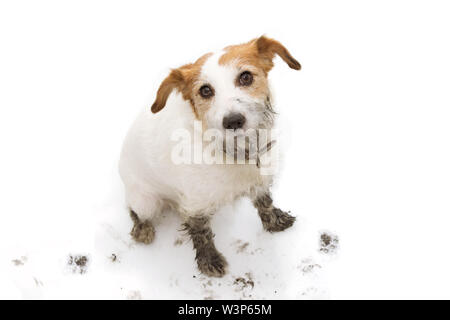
272	218
209	260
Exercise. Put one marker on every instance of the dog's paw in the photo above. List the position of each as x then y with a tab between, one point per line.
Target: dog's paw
143	232
212	264
277	220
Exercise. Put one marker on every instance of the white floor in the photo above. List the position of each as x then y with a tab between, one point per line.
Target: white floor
261	265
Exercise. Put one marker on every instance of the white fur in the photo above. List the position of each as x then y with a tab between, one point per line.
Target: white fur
152	181
228	97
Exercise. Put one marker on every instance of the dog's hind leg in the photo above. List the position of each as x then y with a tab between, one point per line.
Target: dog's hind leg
143	231
210	261
142	211
272	218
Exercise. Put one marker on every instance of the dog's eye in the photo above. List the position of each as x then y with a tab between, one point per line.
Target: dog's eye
206	91
246	78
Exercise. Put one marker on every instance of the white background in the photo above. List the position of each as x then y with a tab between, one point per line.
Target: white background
368	119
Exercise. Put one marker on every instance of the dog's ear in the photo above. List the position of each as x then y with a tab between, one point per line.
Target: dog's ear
267	48
174	80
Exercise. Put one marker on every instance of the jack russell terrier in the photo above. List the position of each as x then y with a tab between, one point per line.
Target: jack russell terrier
224	92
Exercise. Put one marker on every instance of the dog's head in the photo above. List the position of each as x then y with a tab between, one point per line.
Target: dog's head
229	90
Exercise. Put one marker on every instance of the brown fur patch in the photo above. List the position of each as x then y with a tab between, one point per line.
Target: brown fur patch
255	56
182	79
260	86
259	53
243	55
267	48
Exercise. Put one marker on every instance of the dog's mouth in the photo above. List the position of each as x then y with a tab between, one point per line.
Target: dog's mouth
247	150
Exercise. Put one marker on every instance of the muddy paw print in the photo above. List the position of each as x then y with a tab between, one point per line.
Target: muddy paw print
328	243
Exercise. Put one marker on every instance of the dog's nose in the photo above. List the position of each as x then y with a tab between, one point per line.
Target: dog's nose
234	121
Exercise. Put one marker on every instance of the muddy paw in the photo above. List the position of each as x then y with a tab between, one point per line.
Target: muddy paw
277	220
143	232
212	264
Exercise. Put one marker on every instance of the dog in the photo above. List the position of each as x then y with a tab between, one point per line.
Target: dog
226	91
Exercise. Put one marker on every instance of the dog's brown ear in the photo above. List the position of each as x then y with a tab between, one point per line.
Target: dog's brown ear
173	81
267	48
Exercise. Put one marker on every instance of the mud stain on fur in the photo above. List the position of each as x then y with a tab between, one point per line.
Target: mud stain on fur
209	261
272	218
143	231
78	263
328	243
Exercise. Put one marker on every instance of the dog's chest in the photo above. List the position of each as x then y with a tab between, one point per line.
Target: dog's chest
209	187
